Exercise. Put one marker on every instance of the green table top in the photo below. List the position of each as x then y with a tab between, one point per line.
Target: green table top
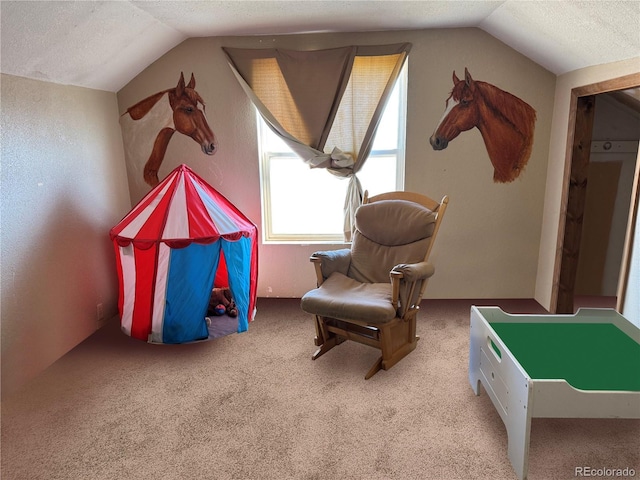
589	356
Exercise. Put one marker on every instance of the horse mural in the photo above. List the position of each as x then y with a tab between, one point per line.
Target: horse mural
506	124
148	126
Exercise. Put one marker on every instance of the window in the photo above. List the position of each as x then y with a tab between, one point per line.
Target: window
305	205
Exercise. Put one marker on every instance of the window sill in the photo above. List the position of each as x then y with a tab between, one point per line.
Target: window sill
304	243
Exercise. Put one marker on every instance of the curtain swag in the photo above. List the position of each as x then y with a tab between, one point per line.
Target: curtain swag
324	104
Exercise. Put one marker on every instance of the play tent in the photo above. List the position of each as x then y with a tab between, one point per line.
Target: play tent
170	248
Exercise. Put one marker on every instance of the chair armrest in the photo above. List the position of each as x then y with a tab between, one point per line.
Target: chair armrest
412	272
327	262
407	285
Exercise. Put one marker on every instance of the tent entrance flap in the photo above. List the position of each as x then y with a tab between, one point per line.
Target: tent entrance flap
189	283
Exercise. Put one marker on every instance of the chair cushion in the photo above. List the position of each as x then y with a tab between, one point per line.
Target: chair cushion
343	298
371	262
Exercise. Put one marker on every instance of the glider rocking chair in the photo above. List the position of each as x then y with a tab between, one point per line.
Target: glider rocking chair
371	293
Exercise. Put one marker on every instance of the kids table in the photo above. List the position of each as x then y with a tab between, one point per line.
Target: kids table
585	365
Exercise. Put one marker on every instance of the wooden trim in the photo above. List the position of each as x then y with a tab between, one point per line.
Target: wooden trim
573	102
317	265
620	83
575	201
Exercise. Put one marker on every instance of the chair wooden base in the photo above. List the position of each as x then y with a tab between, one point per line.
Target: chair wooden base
396	339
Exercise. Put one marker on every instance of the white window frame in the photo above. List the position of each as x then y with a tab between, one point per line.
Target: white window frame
268	236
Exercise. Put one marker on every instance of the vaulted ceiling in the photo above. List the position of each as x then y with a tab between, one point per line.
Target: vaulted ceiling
104	44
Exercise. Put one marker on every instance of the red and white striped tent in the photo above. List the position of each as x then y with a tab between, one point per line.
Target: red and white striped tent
170	248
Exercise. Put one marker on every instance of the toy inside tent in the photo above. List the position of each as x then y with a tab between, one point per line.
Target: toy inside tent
220	325
182	239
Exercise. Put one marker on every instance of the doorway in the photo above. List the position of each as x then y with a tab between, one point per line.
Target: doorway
572	216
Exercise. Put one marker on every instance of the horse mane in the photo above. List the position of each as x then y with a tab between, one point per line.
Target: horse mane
194	96
512	109
143	107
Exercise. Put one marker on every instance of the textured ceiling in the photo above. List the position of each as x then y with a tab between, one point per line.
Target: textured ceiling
104	44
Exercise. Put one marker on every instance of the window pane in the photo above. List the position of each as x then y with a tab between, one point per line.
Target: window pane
304	200
387	133
378	175
270	141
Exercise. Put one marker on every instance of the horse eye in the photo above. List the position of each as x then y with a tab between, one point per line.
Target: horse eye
464	102
189	109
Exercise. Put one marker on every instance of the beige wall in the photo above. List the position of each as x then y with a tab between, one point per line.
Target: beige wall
63	188
488	245
557	164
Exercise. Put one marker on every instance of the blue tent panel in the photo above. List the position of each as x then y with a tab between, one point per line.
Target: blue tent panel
239	271
190	280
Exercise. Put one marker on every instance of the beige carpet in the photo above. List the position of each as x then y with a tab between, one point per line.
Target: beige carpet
254	406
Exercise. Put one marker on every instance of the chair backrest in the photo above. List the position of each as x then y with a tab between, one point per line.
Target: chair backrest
437	207
390	231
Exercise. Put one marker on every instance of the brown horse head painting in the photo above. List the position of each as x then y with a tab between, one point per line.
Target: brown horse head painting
506	124
149	125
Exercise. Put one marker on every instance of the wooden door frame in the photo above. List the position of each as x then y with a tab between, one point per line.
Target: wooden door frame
575	200
568	242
